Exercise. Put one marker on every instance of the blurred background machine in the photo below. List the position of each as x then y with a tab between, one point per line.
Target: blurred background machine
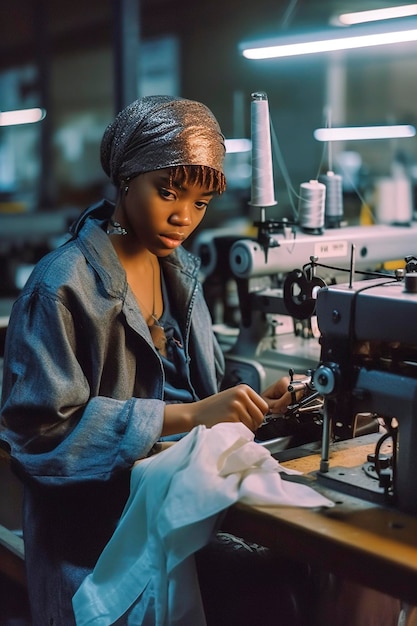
24	238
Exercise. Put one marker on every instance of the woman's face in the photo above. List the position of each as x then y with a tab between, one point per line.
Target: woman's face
158	215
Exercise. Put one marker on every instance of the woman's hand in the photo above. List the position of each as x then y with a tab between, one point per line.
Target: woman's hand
237	404
279	398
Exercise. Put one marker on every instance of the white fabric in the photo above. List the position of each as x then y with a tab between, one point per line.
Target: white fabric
175	501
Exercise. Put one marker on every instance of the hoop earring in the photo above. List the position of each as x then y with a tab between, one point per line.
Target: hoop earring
126	186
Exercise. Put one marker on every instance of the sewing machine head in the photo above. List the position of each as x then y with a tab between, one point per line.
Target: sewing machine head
369	364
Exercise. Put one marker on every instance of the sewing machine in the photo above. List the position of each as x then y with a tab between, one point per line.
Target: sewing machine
369	363
277	327
277	330
275	319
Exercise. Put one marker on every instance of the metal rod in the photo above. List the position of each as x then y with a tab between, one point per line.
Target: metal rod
352	265
325	444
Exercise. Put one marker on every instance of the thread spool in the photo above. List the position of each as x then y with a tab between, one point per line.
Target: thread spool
333	206
394	203
311	206
262	193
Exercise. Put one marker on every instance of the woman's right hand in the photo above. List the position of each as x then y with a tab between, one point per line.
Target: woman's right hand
237	404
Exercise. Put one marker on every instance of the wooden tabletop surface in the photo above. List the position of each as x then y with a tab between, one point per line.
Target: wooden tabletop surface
370	543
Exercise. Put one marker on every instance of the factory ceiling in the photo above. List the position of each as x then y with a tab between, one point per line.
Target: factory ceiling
29	28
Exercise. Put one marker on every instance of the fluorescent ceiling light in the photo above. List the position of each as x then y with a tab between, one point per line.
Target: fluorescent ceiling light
360	36
22	116
355	133
238	145
389	13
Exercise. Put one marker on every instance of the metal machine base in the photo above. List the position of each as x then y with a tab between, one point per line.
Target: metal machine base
354	481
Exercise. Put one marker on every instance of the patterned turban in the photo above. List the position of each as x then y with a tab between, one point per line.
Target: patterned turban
156	132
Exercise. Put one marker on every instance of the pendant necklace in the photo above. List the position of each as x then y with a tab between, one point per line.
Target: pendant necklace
157	331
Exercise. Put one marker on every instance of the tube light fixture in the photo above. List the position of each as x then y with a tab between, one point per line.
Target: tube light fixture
357	133
359	36
21	116
374	15
238	145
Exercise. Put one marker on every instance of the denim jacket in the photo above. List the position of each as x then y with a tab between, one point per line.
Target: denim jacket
83	399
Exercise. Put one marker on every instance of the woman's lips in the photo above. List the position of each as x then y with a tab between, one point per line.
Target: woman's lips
172	240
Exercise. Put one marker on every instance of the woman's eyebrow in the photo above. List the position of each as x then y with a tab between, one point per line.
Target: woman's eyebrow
164	180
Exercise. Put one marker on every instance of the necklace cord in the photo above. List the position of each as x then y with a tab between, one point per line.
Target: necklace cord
156	329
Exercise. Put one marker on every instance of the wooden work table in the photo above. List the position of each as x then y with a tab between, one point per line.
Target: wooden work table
368	543
365	542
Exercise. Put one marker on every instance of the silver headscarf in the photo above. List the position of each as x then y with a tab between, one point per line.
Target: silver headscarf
156	132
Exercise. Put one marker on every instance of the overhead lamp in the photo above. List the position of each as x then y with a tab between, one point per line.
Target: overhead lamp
357	133
21	116
238	145
359	36
374	15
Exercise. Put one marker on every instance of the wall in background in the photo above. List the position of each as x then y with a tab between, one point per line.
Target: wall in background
204	64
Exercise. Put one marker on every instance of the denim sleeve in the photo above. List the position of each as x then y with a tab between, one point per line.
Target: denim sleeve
58	429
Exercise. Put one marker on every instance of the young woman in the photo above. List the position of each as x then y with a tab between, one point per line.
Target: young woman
110	346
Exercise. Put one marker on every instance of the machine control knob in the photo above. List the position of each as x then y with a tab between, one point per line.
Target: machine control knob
326	377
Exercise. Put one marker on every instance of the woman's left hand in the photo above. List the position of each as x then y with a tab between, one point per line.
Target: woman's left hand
278	397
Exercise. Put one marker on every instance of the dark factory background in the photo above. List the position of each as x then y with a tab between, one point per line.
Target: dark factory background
82	61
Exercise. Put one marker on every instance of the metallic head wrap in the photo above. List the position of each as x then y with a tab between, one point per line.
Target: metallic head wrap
156	132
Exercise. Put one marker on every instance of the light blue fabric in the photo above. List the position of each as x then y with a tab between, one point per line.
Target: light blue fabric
136	564
173	510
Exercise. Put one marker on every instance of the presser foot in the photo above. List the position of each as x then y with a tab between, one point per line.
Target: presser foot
296	431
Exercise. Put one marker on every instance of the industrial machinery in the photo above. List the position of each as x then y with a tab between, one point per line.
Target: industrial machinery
279	274
24	238
275	322
369	363
271	287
